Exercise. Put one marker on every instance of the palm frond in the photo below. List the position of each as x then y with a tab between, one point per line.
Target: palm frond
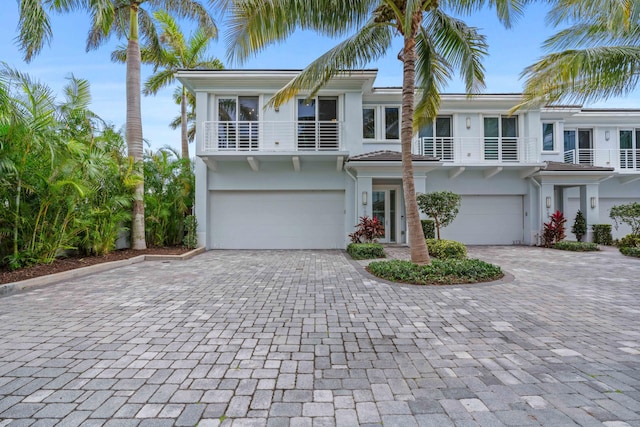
582	75
369	44
159	80
432	73
35	28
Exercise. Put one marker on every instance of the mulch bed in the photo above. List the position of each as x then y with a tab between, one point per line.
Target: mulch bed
70	263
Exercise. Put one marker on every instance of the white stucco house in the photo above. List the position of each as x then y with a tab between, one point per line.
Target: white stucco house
301	175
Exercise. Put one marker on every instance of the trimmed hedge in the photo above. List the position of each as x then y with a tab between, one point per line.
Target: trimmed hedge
576	246
428	228
602	234
439	272
634	252
365	250
629	241
446	249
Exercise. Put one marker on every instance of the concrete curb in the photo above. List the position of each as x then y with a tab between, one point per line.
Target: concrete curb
9	288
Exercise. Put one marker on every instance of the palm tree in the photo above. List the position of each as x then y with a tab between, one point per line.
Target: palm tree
435	45
596	57
191	113
174	53
127	19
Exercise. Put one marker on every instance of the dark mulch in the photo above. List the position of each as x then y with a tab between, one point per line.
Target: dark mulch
64	264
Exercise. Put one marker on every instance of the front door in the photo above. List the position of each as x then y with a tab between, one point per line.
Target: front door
385	209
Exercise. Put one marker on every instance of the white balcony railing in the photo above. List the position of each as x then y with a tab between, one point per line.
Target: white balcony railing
272	136
478	150
622	159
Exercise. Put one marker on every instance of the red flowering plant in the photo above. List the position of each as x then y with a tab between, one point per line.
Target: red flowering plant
553	230
367	230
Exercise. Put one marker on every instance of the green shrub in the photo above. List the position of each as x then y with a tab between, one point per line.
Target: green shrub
190	239
576	246
446	249
428	228
629	241
630	251
602	234
365	250
439	272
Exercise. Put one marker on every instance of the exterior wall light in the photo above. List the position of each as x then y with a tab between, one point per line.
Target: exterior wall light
468	122
607	135
364	197
593	203
548	202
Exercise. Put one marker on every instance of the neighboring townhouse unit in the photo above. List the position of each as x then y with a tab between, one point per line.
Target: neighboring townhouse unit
299	176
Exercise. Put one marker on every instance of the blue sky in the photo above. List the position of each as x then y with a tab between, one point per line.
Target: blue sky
510	51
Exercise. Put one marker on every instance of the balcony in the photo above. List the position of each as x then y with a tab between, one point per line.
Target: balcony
622	160
271	136
479	150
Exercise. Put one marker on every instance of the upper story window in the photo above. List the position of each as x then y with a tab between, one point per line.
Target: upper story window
381	122
501	138
548	140
435	138
630	149
238	123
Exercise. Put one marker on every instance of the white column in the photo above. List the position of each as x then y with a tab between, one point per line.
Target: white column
202	202
589	205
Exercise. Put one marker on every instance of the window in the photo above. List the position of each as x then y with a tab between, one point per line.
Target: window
439	145
630	149
369	123
547	137
501	138
381	122
392	123
238	123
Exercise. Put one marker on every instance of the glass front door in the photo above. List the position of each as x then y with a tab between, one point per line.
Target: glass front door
384	208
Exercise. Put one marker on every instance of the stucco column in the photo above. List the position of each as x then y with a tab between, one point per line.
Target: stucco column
202	201
547	205
589	196
420	183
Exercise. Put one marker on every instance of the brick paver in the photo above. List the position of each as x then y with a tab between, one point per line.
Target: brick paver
307	338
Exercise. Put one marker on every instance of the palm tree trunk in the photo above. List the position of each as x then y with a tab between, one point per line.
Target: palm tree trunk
184	125
419	251
134	128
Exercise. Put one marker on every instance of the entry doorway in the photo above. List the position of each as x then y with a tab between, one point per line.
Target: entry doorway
386	208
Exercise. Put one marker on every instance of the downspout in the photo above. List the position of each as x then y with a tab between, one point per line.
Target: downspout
355	198
541	208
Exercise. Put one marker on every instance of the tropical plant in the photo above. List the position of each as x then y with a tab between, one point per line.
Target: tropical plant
367	230
365	250
434	45
445	249
629	214
442	206
190	239
126	19
579	227
602	234
440	272
553	231
174	53
595	56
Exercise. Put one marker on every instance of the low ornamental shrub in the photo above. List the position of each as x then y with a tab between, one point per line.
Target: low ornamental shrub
446	249
365	250
190	239
439	272
635	252
576	246
629	241
554	229
367	230
602	234
428	228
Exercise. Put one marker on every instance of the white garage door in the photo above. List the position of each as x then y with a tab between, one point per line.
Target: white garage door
487	220
277	219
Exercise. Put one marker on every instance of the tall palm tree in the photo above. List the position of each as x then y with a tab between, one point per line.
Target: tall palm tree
127	19
435	45
191	113
596	57
174	53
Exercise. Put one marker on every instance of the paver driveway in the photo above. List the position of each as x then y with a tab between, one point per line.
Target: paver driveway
305	338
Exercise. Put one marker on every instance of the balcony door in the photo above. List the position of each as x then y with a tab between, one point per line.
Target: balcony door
578	146
385	207
630	149
318	124
439	143
501	138
238	121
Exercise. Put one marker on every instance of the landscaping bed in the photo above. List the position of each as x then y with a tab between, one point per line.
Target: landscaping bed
70	263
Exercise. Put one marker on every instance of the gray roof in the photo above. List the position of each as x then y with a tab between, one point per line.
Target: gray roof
574	167
389	156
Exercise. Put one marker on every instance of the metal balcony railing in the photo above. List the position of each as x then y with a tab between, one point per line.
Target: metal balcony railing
478	149
622	159
258	136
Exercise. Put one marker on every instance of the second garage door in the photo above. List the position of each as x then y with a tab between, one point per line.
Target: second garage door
488	220
277	220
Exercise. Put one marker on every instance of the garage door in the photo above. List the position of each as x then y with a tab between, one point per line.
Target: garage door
277	220
487	220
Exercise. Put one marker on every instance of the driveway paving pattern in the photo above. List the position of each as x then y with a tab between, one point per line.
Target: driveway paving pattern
307	338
